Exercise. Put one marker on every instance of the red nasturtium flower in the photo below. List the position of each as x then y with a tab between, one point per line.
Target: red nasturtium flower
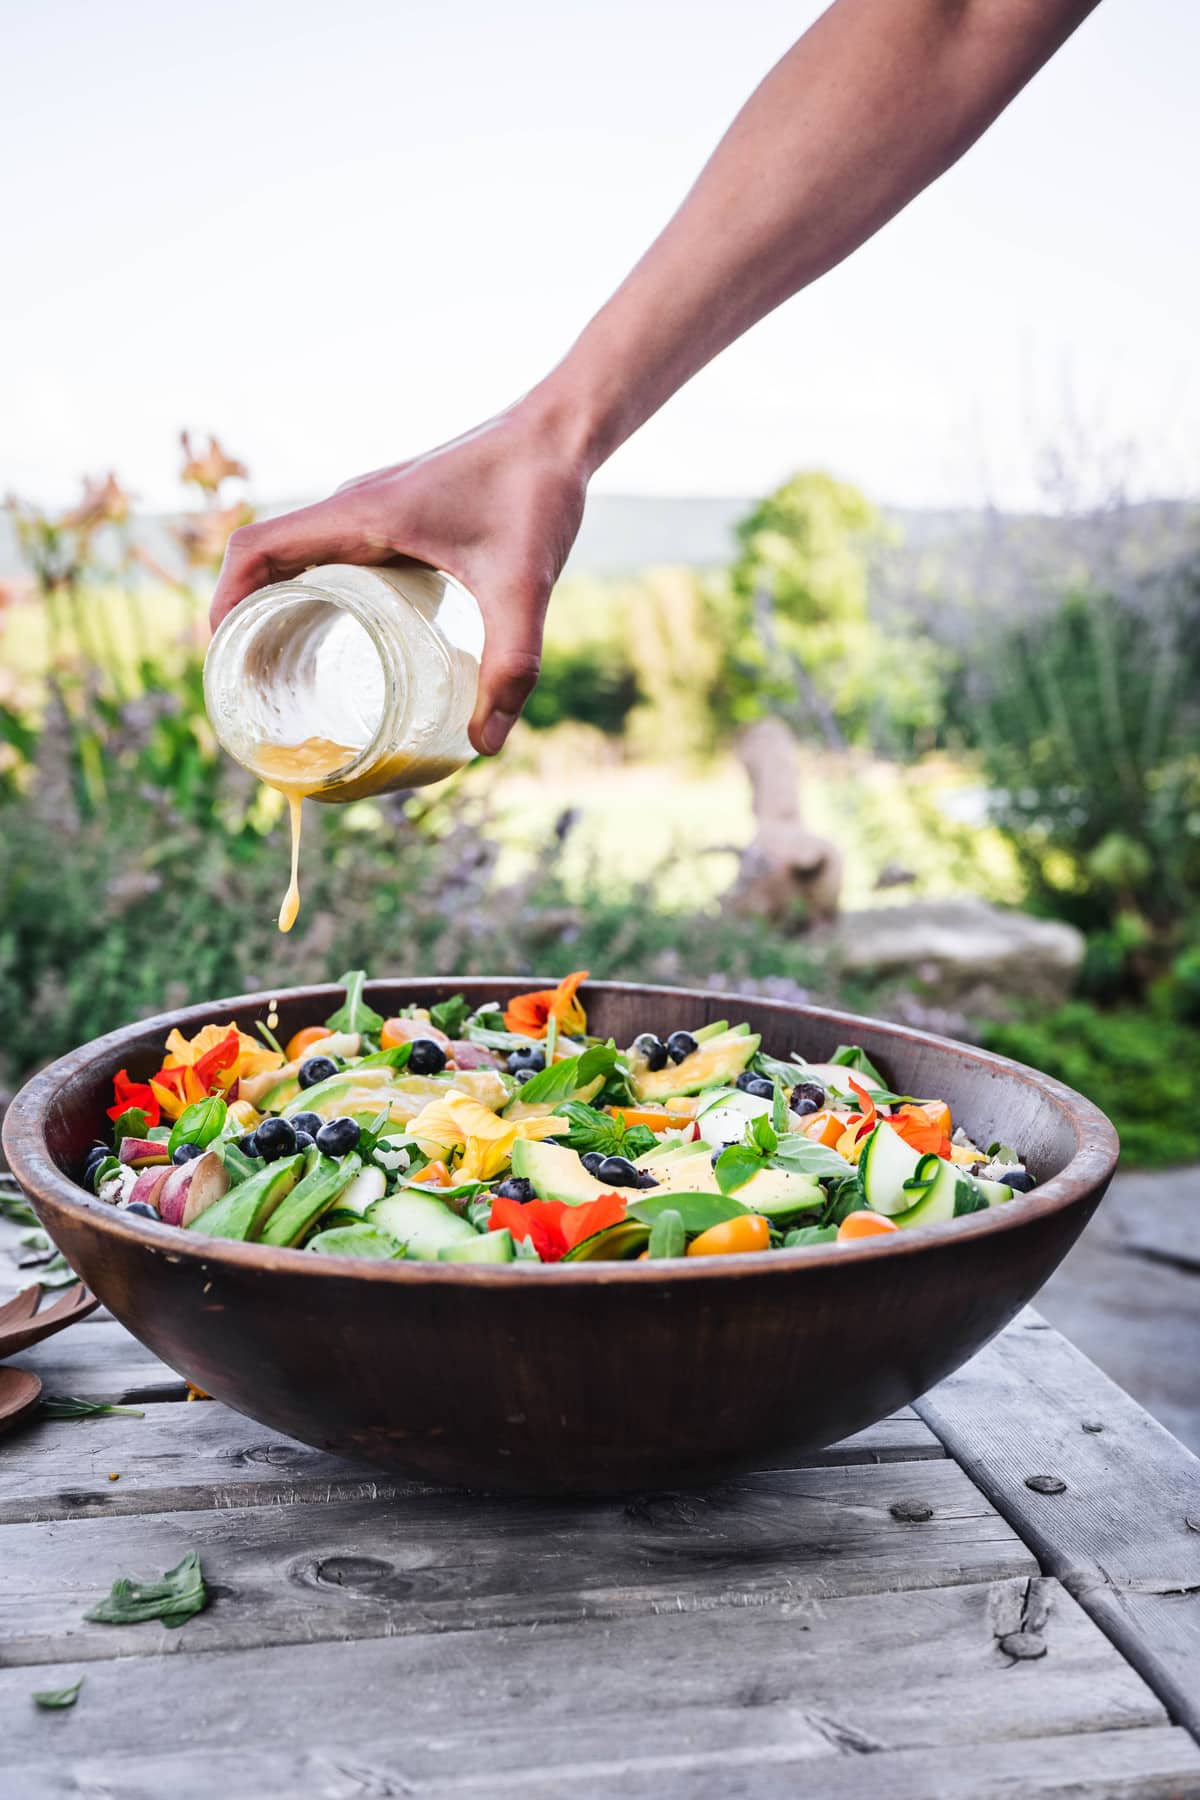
530	1014
554	1226
862	1123
127	1094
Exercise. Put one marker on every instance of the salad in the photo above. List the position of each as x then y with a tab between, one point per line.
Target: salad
509	1134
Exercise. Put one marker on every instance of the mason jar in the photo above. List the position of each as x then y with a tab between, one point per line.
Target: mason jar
348	681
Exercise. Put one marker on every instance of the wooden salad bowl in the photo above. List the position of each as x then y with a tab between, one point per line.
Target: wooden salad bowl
587	1378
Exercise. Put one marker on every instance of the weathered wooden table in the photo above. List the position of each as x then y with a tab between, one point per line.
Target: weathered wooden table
995	1594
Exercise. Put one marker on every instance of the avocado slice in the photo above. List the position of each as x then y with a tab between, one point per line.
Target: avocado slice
690	1174
313	1195
489	1247
276	1098
717	1063
781	1195
334	1089
423	1225
555	1172
618	1243
359	1239
245	1209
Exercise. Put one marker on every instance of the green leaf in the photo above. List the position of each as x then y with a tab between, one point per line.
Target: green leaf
17	1209
788	1073
761	1135
66	1406
589	1129
269	1039
370	1134
132	1123
844	1198
478	1212
558	1081
35	1240
810	1234
853	1056
779	1109
1003	1153
355	1014
667	1235
736	1165
698	1211
174	1599
111	1165
394	1058
637	1140
451	1015
57	1273
54	1699
803	1157
199	1123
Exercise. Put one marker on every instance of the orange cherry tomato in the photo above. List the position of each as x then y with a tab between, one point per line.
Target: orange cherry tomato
823	1127
636	1115
434	1174
299	1046
749	1231
938	1113
864	1224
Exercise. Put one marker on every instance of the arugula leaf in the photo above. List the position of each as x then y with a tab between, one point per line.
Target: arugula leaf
736	1165
65	1406
478	1212
355	1014
845	1198
394	1058
810	1234
132	1123
667	1235
779	1108
803	1157
199	1123
698	1211
370	1134
54	1699
853	1056
174	1599
269	1039
451	1015
789	1073
558	1081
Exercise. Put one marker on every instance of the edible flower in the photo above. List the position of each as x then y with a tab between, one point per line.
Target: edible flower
457	1121
552	1225
530	1014
127	1094
208	1063
921	1132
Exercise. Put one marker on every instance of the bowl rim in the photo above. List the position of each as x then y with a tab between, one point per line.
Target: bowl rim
24	1140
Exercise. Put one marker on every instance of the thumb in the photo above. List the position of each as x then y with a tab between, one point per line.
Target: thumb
512	656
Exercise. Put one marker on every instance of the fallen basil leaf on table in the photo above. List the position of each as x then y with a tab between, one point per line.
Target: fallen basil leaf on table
66	1406
57	1273
15	1208
54	1699
173	1599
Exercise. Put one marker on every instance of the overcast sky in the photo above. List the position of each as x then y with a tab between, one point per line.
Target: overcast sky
338	233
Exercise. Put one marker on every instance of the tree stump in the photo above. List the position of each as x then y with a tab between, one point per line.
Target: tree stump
788	874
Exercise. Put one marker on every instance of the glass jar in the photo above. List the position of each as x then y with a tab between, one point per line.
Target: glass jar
348	681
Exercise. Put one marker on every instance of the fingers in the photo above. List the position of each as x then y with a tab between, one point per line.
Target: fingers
275	549
512	656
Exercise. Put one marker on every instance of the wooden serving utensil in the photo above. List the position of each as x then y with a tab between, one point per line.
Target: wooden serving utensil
22	1325
20	1391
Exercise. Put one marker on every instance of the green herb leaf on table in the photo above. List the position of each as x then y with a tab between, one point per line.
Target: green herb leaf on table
66	1406
55	1699
355	1014
35	1240
133	1122
57	1273
450	1015
199	1123
174	1599
15	1208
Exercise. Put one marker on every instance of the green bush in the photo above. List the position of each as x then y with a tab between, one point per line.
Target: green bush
593	686
1142	1070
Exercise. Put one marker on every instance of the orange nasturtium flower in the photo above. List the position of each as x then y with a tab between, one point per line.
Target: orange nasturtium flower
210	1062
530	1014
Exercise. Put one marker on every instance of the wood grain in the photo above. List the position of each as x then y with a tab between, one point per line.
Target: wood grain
449	1562
1118	1536
101	1362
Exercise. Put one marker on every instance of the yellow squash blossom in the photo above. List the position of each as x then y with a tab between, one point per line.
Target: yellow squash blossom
253	1058
455	1121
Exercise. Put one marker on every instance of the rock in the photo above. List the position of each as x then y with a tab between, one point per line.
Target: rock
788	874
964	951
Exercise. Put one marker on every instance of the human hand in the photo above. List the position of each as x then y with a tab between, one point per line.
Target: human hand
498	509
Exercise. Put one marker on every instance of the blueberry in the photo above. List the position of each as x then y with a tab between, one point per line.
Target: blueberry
681	1044
591	1160
651	1050
314	1069
337	1138
758	1085
531	1059
618	1171
1019	1180
275	1138
248	1145
717	1154
304	1139
94	1159
807	1097
306	1121
515	1187
524	1075
186	1152
141	1208
425	1057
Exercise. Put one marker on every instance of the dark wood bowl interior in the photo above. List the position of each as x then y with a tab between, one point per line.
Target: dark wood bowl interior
578	1378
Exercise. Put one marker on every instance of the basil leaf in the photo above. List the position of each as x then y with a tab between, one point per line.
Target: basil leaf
16	1208
558	1081
667	1235
173	1599
589	1129
736	1165
66	1406
761	1135
846	1197
133	1122
355	1014
100	1174
57	1273
199	1123
451	1015
853	1056
637	1140
698	1211
810	1234
54	1699
803	1157
788	1073
779	1108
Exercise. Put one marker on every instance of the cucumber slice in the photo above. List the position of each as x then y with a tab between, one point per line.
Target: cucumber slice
885	1165
945	1191
422	1224
489	1247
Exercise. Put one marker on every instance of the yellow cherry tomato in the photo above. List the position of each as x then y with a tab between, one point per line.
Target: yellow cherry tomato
749	1231
864	1224
299	1046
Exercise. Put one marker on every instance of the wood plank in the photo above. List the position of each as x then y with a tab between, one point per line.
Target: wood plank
1147	1764
449	1562
101	1362
867	1673
185	1458
1123	1534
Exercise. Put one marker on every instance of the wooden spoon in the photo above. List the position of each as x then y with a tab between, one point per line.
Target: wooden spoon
21	1324
20	1391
